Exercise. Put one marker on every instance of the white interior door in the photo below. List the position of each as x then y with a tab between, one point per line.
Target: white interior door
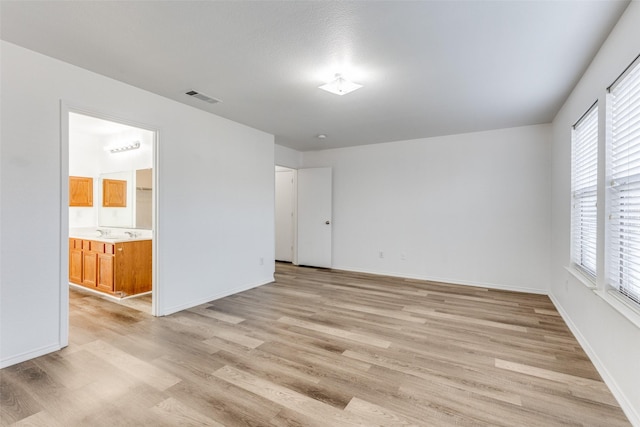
284	215
314	217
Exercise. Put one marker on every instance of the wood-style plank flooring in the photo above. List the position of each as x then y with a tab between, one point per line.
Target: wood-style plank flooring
317	348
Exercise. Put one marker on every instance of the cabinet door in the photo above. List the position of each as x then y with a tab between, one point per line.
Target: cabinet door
90	269
75	265
133	260
105	272
114	193
80	191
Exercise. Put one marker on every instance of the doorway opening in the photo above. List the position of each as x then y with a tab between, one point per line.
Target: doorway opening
112	210
303	212
286	214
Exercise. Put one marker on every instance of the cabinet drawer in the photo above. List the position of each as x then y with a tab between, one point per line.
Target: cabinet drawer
108	249
75	243
93	246
97	247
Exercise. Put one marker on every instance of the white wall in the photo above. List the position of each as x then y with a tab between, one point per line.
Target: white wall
285	156
470	209
85	152
611	340
215	195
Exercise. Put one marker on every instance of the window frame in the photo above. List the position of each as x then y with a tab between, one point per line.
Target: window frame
616	264
584	194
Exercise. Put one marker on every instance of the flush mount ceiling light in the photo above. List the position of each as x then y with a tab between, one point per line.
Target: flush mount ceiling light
133	146
340	86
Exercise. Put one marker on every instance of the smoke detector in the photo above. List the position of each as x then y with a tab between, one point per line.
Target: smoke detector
203	97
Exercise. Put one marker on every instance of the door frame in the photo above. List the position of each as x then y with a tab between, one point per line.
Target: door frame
66	108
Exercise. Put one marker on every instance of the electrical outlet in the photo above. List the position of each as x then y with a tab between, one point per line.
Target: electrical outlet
261	261
403	256
381	254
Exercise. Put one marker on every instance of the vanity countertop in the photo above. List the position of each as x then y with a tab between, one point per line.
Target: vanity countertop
109	239
112	237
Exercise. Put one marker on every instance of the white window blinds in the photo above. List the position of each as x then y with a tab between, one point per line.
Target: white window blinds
623	150
584	185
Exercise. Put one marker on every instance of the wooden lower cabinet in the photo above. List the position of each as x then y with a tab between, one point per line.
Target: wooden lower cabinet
120	268
89	269
75	260
132	267
105	277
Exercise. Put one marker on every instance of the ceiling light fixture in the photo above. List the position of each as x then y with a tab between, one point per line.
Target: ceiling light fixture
321	136
340	86
133	146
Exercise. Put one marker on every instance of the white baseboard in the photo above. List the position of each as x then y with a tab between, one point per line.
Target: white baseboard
445	280
170	310
29	355
629	410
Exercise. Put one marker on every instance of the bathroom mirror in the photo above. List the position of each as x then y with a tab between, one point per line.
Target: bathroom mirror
136	212
144	193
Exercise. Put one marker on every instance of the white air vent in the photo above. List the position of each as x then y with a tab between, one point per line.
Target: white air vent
203	97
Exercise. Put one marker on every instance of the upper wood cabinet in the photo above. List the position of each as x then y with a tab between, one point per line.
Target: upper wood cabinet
114	193
80	191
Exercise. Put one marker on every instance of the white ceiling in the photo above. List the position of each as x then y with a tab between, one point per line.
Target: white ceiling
428	67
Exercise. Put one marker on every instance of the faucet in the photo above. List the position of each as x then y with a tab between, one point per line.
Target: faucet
131	234
100	232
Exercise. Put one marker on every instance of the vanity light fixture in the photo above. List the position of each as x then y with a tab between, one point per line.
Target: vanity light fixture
133	146
340	86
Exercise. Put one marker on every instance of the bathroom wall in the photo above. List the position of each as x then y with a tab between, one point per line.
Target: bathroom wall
89	156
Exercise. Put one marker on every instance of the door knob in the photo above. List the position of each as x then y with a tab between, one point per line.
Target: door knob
327	222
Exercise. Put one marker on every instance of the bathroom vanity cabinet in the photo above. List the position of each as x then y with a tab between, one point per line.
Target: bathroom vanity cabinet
120	268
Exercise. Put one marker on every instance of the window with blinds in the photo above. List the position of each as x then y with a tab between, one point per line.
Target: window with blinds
584	186
623	174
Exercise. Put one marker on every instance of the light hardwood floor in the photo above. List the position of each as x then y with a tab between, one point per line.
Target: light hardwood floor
317	348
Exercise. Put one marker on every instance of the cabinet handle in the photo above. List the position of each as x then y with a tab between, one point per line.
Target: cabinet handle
120	249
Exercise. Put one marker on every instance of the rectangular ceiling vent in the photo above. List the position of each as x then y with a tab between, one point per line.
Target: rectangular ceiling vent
203	97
